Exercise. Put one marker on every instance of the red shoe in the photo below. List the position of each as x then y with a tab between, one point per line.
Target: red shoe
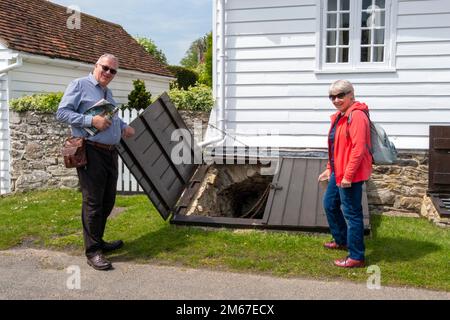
334	246
349	263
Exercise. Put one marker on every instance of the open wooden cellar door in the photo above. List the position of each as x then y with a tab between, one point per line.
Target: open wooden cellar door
226	194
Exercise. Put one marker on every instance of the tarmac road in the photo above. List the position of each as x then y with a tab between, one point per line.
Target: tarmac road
42	274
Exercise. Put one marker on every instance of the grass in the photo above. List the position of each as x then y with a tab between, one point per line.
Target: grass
409	252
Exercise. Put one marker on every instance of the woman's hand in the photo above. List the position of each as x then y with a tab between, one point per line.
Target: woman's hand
345	183
324	175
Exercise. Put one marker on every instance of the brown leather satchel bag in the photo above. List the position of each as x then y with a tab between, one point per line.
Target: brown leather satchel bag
74	152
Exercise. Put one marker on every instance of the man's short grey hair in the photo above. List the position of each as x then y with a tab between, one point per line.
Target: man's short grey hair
341	86
108	56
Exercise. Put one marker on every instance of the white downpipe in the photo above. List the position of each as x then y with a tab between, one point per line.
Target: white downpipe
15	65
221	106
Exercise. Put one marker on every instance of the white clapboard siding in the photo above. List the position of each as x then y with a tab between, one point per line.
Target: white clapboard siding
242	5
322	103
36	78
4	127
267	41
272	82
4	136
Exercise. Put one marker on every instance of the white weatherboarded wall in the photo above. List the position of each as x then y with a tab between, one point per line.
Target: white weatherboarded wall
4	127
40	76
272	83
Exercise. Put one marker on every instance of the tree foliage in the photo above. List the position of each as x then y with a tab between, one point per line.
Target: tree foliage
196	98
40	103
151	48
196	53
185	77
206	72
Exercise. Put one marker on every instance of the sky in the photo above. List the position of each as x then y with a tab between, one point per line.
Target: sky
172	24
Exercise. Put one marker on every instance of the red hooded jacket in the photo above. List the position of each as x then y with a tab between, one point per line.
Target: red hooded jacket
352	158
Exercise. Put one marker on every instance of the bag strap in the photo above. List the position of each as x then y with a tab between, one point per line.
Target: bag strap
349	119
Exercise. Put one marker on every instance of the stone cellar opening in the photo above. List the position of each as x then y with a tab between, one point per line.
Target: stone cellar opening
234	191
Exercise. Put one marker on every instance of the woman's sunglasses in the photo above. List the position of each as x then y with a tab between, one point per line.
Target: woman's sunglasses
339	95
106	69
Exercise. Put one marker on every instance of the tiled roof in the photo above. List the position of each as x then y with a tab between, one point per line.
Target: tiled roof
40	27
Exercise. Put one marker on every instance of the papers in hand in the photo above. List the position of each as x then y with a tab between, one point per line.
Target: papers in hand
104	108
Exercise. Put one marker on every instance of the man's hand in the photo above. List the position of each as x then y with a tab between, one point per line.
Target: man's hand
100	122
324	175
345	183
128	132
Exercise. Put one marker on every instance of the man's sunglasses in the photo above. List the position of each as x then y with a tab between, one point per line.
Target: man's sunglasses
106	69
339	95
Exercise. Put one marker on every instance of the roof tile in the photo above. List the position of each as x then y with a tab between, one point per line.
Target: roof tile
40	27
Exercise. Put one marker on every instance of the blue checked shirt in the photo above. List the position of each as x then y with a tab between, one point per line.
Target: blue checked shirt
80	95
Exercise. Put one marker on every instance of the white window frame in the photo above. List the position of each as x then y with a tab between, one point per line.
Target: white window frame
354	65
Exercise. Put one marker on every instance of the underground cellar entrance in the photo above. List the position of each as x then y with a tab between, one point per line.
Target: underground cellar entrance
234	191
229	195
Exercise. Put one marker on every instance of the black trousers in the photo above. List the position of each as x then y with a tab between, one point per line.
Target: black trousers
98	181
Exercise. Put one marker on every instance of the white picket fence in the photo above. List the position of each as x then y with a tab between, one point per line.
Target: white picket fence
126	183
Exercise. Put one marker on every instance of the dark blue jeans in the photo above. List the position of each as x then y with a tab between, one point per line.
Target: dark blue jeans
345	216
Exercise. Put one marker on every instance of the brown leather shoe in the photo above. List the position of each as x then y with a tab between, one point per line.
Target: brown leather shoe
334	246
110	246
99	262
349	263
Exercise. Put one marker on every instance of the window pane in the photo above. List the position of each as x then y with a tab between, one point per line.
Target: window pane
331	20
366	36
331	54
331	38
345	20
343	37
332	5
366	4
365	54
365	20
379	36
345	5
379	19
343	55
380	3
378	54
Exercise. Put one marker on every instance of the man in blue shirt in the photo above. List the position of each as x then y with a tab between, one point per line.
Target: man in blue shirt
98	179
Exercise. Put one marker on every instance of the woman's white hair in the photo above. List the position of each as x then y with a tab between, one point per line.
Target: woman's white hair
341	86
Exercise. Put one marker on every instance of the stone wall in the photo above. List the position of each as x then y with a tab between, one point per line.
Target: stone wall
399	187
36	141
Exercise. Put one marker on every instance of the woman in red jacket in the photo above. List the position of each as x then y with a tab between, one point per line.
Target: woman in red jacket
349	165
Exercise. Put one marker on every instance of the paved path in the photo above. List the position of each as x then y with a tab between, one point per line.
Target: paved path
42	274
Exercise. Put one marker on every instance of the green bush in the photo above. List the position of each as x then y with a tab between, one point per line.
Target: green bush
185	77
138	98
197	98
206	68
42	103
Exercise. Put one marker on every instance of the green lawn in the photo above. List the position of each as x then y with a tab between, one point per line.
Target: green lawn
410	252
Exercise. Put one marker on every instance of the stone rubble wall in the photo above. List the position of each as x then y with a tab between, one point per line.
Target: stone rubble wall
36	141
400	187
